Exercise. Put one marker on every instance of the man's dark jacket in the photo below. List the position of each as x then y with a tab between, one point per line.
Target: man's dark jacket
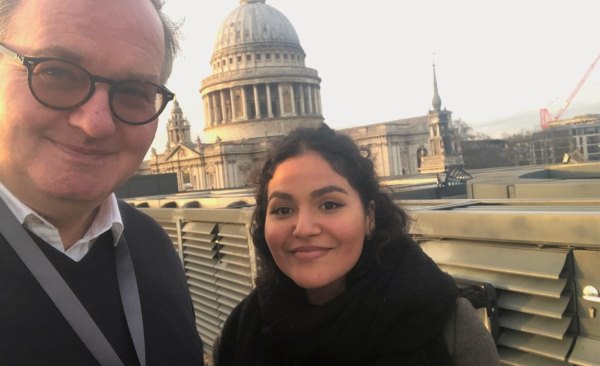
33	332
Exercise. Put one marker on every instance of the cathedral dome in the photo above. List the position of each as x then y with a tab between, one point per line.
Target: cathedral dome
253	26
260	86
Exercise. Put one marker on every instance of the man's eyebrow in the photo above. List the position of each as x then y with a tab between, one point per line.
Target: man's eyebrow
322	191
59	52
68	55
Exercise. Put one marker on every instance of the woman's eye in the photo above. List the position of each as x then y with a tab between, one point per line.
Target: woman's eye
281	211
330	205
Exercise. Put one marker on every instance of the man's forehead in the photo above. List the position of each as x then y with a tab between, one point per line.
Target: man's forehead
88	31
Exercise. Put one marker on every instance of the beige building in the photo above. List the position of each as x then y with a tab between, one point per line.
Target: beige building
259	90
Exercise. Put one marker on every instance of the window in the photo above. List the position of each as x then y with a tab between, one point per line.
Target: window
268	55
239	59
258	57
248	57
285	56
277	56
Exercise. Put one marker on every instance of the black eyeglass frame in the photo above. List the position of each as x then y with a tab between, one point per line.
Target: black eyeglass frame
31	62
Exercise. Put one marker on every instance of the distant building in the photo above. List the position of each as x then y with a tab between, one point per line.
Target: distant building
260	90
584	132
571	140
579	135
479	154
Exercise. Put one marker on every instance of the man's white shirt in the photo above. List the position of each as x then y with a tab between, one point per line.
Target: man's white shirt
107	218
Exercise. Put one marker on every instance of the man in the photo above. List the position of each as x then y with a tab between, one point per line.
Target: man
80	94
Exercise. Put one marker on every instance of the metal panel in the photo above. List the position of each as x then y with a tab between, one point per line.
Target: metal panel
562	228
586	352
200	227
520	246
553	328
543	346
587	273
527	285
231	230
533	294
502	259
528	304
513	357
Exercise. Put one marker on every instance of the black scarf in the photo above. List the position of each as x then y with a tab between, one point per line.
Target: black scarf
392	313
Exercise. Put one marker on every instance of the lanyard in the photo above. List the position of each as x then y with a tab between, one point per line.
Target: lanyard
68	303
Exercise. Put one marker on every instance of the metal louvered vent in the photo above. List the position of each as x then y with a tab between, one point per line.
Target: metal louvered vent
170	227
534	295
216	258
538	256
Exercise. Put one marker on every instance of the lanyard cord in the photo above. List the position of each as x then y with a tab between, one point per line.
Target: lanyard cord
67	302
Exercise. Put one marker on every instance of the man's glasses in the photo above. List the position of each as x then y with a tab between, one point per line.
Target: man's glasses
60	84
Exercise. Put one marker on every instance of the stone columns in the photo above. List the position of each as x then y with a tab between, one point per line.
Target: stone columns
317	101
310	100
281	104
213	103
232	101
244	105
256	101
269	103
302	106
292	99
223	111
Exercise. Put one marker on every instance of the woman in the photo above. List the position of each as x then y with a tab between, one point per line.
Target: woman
340	280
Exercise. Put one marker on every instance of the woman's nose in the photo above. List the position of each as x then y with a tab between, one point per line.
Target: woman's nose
306	225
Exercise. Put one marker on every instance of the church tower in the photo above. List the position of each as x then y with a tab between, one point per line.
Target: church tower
439	120
178	128
444	151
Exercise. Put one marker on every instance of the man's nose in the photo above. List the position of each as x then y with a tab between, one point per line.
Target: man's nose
95	117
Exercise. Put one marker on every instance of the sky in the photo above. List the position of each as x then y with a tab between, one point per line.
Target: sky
494	59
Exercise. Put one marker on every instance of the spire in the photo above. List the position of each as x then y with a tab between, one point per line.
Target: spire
437	101
243	2
176	109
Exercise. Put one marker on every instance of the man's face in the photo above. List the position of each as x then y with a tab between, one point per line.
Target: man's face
81	154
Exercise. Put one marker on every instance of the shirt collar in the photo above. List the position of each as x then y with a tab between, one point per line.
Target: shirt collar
108	217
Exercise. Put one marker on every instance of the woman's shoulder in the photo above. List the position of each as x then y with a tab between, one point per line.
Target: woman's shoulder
468	341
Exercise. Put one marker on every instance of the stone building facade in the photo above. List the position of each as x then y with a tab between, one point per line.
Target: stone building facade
259	90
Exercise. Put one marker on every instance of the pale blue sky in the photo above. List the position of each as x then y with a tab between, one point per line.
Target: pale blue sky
494	58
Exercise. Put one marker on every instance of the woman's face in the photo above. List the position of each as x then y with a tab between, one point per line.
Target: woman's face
315	225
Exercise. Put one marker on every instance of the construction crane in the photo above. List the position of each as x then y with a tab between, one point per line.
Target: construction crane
546	117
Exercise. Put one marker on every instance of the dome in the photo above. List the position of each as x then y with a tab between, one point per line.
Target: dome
260	86
255	25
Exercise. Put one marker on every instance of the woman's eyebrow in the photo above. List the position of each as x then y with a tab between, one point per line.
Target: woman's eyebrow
315	194
328	189
281	195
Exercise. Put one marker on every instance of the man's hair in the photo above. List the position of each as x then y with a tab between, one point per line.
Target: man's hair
352	163
170	28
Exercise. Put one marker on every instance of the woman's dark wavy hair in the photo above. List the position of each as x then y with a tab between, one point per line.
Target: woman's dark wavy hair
349	161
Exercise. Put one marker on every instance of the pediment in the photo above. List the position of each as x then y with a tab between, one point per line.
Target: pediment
181	152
